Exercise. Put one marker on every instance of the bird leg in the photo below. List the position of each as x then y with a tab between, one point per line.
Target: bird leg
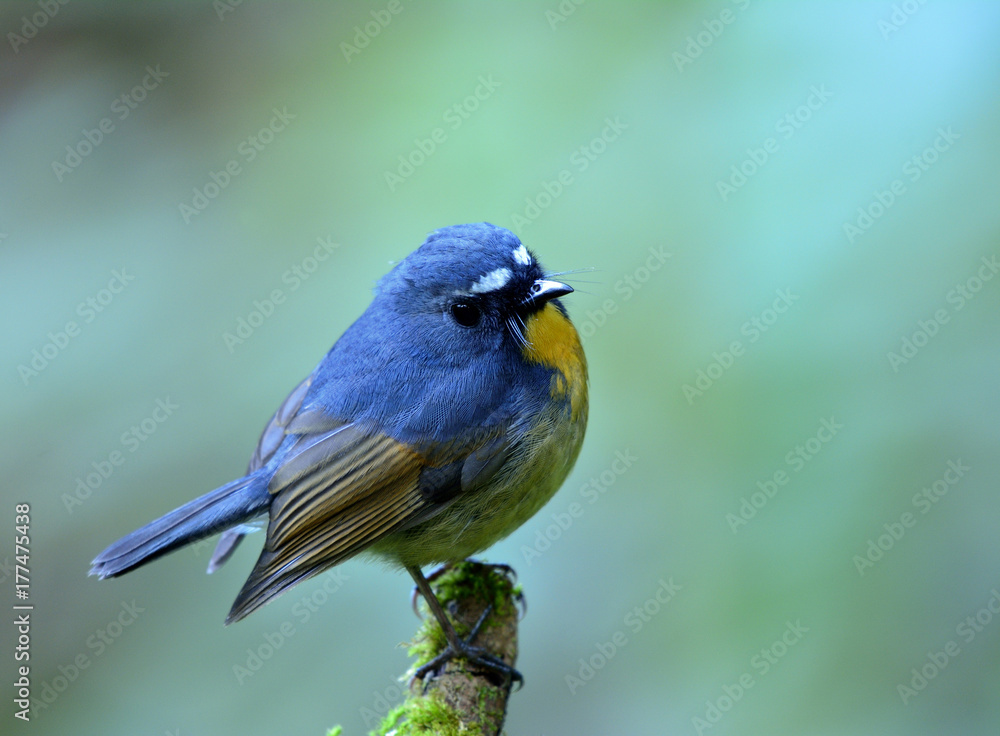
456	647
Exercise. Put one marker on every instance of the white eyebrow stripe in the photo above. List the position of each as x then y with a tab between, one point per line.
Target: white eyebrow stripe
491	281
522	256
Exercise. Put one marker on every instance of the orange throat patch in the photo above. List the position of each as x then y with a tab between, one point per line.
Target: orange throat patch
554	343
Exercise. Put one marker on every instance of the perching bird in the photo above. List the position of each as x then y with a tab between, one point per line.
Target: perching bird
442	419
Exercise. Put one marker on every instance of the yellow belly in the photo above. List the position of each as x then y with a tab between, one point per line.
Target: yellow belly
538	466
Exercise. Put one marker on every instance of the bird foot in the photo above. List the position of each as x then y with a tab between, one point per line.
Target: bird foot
477	657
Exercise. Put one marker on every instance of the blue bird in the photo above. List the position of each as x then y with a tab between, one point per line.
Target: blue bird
445	417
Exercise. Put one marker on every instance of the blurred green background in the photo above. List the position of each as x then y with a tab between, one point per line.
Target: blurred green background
792	215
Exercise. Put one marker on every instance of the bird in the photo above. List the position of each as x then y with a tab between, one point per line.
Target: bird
439	422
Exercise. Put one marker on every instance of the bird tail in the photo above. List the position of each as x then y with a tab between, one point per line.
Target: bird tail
225	507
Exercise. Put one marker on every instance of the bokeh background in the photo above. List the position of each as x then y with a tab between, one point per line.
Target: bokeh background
791	213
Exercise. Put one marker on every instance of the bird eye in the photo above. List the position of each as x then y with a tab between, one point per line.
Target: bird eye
467	315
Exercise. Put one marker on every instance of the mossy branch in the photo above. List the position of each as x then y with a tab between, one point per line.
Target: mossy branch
461	699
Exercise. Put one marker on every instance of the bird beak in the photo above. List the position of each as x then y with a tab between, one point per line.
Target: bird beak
542	290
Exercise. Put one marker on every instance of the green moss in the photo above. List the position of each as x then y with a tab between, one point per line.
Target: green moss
428	642
429	714
426	715
390	720
461	581
487	714
465	580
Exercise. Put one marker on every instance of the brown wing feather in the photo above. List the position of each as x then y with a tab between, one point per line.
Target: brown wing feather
341	488
335	495
330	473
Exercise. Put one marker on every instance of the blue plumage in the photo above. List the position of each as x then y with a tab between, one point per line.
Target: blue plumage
433	427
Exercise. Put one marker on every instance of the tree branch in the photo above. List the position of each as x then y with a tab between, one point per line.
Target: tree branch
462	699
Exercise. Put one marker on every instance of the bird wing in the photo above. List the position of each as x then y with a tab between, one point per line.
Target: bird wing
342	487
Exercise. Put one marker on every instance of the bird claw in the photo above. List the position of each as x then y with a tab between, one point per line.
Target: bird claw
506	570
511	574
522	605
475	656
413	601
